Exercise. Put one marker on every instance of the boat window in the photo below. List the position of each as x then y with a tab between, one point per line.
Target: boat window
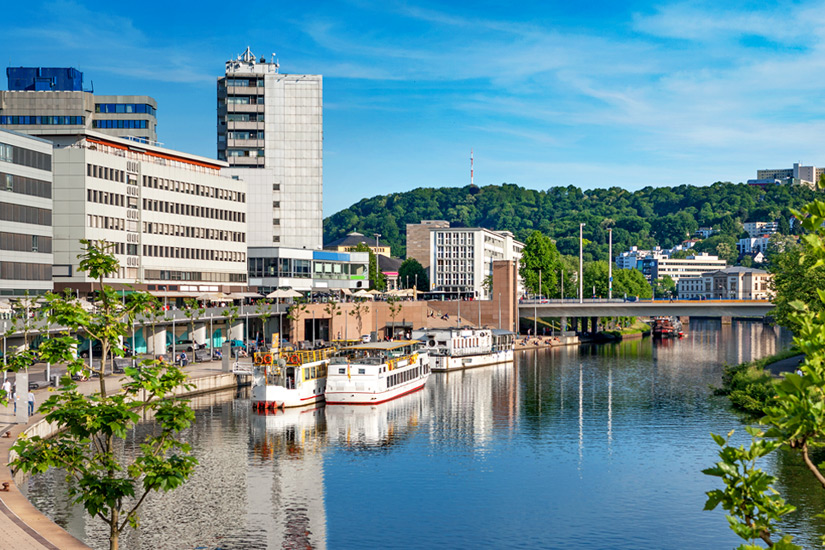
362	371
342	371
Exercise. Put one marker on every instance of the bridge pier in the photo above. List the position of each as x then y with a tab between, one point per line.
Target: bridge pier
594	325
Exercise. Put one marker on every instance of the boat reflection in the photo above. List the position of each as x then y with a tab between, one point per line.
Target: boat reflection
377	426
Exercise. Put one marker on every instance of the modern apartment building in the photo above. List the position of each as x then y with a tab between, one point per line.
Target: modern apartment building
753	245
803	174
171	218
306	270
270	131
757	229
632	259
740	283
25	214
461	259
679	268
51	101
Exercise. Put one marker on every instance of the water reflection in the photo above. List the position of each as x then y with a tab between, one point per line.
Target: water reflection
592	447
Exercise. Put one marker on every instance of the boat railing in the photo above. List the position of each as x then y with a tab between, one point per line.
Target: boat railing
307	356
242	368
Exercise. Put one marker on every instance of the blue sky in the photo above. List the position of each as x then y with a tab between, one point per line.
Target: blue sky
592	94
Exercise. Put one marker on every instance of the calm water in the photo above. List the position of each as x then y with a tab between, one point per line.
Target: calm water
592	447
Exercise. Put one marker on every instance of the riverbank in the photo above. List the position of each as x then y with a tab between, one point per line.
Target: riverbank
24	527
749	386
545	342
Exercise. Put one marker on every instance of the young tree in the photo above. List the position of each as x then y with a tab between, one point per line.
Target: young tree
333	309
231	315
358	311
193	310
264	310
294	313
395	305
91	428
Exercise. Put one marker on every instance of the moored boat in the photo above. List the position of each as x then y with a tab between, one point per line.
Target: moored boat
375	372
289	379
465	348
667	327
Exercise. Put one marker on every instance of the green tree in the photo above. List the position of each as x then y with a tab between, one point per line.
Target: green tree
664	287
193	310
91	428
631	282
412	270
377	279
596	277
541	262
794	420
395	305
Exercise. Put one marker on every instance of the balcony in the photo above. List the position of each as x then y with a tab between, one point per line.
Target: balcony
237	125
240	108
245	161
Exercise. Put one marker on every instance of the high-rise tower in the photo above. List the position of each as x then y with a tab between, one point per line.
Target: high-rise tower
270	131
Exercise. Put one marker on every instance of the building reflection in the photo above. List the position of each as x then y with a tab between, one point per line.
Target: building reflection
469	405
287	456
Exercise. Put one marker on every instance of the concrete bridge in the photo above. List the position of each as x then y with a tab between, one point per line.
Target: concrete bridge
644	308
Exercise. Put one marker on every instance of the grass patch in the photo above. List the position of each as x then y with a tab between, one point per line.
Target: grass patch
750	387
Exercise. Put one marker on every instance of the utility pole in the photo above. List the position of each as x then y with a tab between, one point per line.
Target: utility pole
581	263
610	264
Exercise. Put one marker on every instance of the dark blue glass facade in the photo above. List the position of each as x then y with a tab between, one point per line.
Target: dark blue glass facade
125	108
43	119
120	124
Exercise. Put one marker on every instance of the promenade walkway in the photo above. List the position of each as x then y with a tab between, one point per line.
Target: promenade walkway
22	526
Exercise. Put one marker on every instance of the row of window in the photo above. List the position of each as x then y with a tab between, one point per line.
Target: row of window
454	279
280	267
406	376
106	197
155	251
244	82
245	134
154	228
129	124
245	152
20	271
242	117
25	157
105	173
25	186
162	275
193	189
455	237
193	210
125	108
245	100
106	222
25	214
19	242
454	252
48	120
319	371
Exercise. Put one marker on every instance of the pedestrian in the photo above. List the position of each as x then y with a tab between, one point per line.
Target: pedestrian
7	387
31	403
183	359
14	398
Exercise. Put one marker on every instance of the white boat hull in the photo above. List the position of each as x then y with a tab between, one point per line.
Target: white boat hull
374	388
444	363
269	396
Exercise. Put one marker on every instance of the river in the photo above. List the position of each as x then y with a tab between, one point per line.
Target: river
600	446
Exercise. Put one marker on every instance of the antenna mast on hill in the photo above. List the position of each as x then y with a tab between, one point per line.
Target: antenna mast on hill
471	167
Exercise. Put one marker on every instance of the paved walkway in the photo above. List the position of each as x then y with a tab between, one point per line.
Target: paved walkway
22	526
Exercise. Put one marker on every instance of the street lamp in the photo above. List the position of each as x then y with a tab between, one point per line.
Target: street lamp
376	241
581	263
610	264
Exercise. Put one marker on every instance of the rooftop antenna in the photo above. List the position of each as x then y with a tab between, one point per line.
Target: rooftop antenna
471	167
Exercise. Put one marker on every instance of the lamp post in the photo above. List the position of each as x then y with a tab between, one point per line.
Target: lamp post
581	263
610	264
376	241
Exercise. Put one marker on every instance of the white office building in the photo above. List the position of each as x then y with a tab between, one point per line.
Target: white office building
270	131
757	229
171	218
679	268
753	245
461	259
25	214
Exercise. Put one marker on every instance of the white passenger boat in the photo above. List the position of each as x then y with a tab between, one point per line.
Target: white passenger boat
465	348
289	379
370	373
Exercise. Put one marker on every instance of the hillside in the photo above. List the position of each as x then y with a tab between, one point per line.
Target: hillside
651	216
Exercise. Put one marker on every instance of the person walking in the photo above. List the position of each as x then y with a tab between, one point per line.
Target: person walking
14	398
31	403
7	387
183	359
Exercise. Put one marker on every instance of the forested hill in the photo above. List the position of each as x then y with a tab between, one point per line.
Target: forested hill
651	216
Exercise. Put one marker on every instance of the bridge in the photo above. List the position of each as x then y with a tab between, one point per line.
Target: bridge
644	308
